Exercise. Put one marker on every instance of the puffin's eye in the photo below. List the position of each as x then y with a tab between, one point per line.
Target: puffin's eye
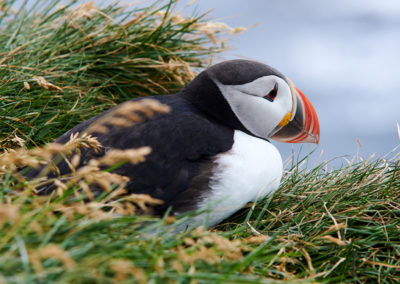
272	94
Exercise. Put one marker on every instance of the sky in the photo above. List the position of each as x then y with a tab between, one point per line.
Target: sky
344	55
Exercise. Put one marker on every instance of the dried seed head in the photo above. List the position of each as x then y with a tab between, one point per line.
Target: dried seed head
203	253
8	212
133	156
84	11
51	251
46	85
60	187
126	114
231	248
143	200
94	175
123	268
256	239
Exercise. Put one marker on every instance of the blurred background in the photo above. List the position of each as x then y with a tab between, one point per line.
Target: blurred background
344	55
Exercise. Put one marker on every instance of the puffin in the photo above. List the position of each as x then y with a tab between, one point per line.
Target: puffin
212	150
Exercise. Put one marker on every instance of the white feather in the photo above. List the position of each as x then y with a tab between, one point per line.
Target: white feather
248	172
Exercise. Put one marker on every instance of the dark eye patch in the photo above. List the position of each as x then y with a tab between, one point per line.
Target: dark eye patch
272	94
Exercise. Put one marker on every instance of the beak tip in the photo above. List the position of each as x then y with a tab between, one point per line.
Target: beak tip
311	122
316	137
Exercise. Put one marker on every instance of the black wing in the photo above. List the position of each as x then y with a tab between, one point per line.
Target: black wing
183	144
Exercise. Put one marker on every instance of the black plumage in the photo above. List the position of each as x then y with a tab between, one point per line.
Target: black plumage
247	72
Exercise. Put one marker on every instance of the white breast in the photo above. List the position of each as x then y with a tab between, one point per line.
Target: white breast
248	172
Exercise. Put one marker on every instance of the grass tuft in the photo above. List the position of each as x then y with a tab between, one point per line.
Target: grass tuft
321	226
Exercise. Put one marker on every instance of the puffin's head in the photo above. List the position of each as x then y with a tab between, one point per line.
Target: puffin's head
257	99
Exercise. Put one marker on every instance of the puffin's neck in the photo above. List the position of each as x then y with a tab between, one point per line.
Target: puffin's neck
206	97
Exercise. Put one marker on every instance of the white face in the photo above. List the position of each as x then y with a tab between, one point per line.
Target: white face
259	105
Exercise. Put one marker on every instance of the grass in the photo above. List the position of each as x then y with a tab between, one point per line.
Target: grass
322	225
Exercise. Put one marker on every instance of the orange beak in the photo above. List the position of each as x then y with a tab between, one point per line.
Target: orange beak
304	125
